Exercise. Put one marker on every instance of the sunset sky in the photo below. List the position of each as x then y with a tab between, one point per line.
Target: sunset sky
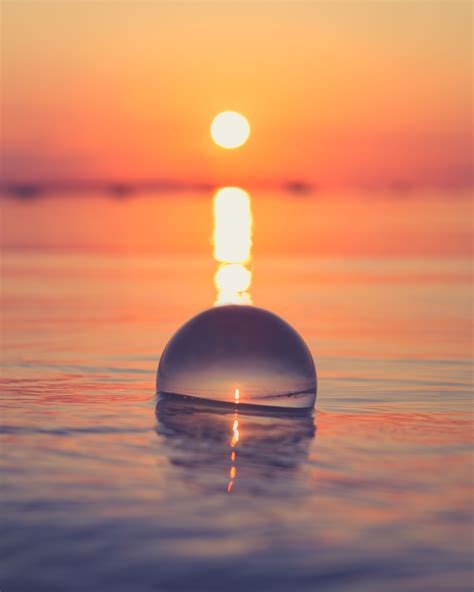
354	94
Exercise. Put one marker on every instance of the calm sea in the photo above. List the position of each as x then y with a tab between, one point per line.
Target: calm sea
103	490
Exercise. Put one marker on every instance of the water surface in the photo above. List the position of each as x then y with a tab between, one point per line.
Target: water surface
104	490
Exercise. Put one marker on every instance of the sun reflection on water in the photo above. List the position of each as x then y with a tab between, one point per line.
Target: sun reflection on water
233	444
232	240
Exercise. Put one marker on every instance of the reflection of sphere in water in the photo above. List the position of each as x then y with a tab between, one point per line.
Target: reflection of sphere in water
239	347
200	439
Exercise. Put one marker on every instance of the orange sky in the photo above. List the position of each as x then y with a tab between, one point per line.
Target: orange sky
337	93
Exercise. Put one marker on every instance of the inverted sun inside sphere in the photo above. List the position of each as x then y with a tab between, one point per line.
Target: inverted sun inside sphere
230	129
239	355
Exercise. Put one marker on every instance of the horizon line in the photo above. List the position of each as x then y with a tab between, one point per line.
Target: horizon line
124	187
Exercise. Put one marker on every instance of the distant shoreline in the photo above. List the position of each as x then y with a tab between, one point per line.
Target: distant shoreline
125	189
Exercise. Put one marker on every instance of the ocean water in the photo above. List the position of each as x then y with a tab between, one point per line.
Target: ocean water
102	488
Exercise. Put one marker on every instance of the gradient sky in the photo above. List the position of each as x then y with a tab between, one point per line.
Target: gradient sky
339	94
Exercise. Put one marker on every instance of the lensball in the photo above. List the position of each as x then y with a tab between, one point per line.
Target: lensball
239	355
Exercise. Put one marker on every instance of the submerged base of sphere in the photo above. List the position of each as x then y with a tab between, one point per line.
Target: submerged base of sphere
240	355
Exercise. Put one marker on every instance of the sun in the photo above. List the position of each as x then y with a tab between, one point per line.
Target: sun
230	129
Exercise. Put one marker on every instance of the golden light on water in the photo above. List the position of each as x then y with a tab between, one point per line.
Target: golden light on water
232	225
232	240
233	443
235	432
230	129
233	278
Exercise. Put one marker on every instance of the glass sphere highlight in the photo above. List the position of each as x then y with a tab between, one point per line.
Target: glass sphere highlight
239	355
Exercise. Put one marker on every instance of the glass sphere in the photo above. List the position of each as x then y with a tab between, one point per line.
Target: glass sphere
240	355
